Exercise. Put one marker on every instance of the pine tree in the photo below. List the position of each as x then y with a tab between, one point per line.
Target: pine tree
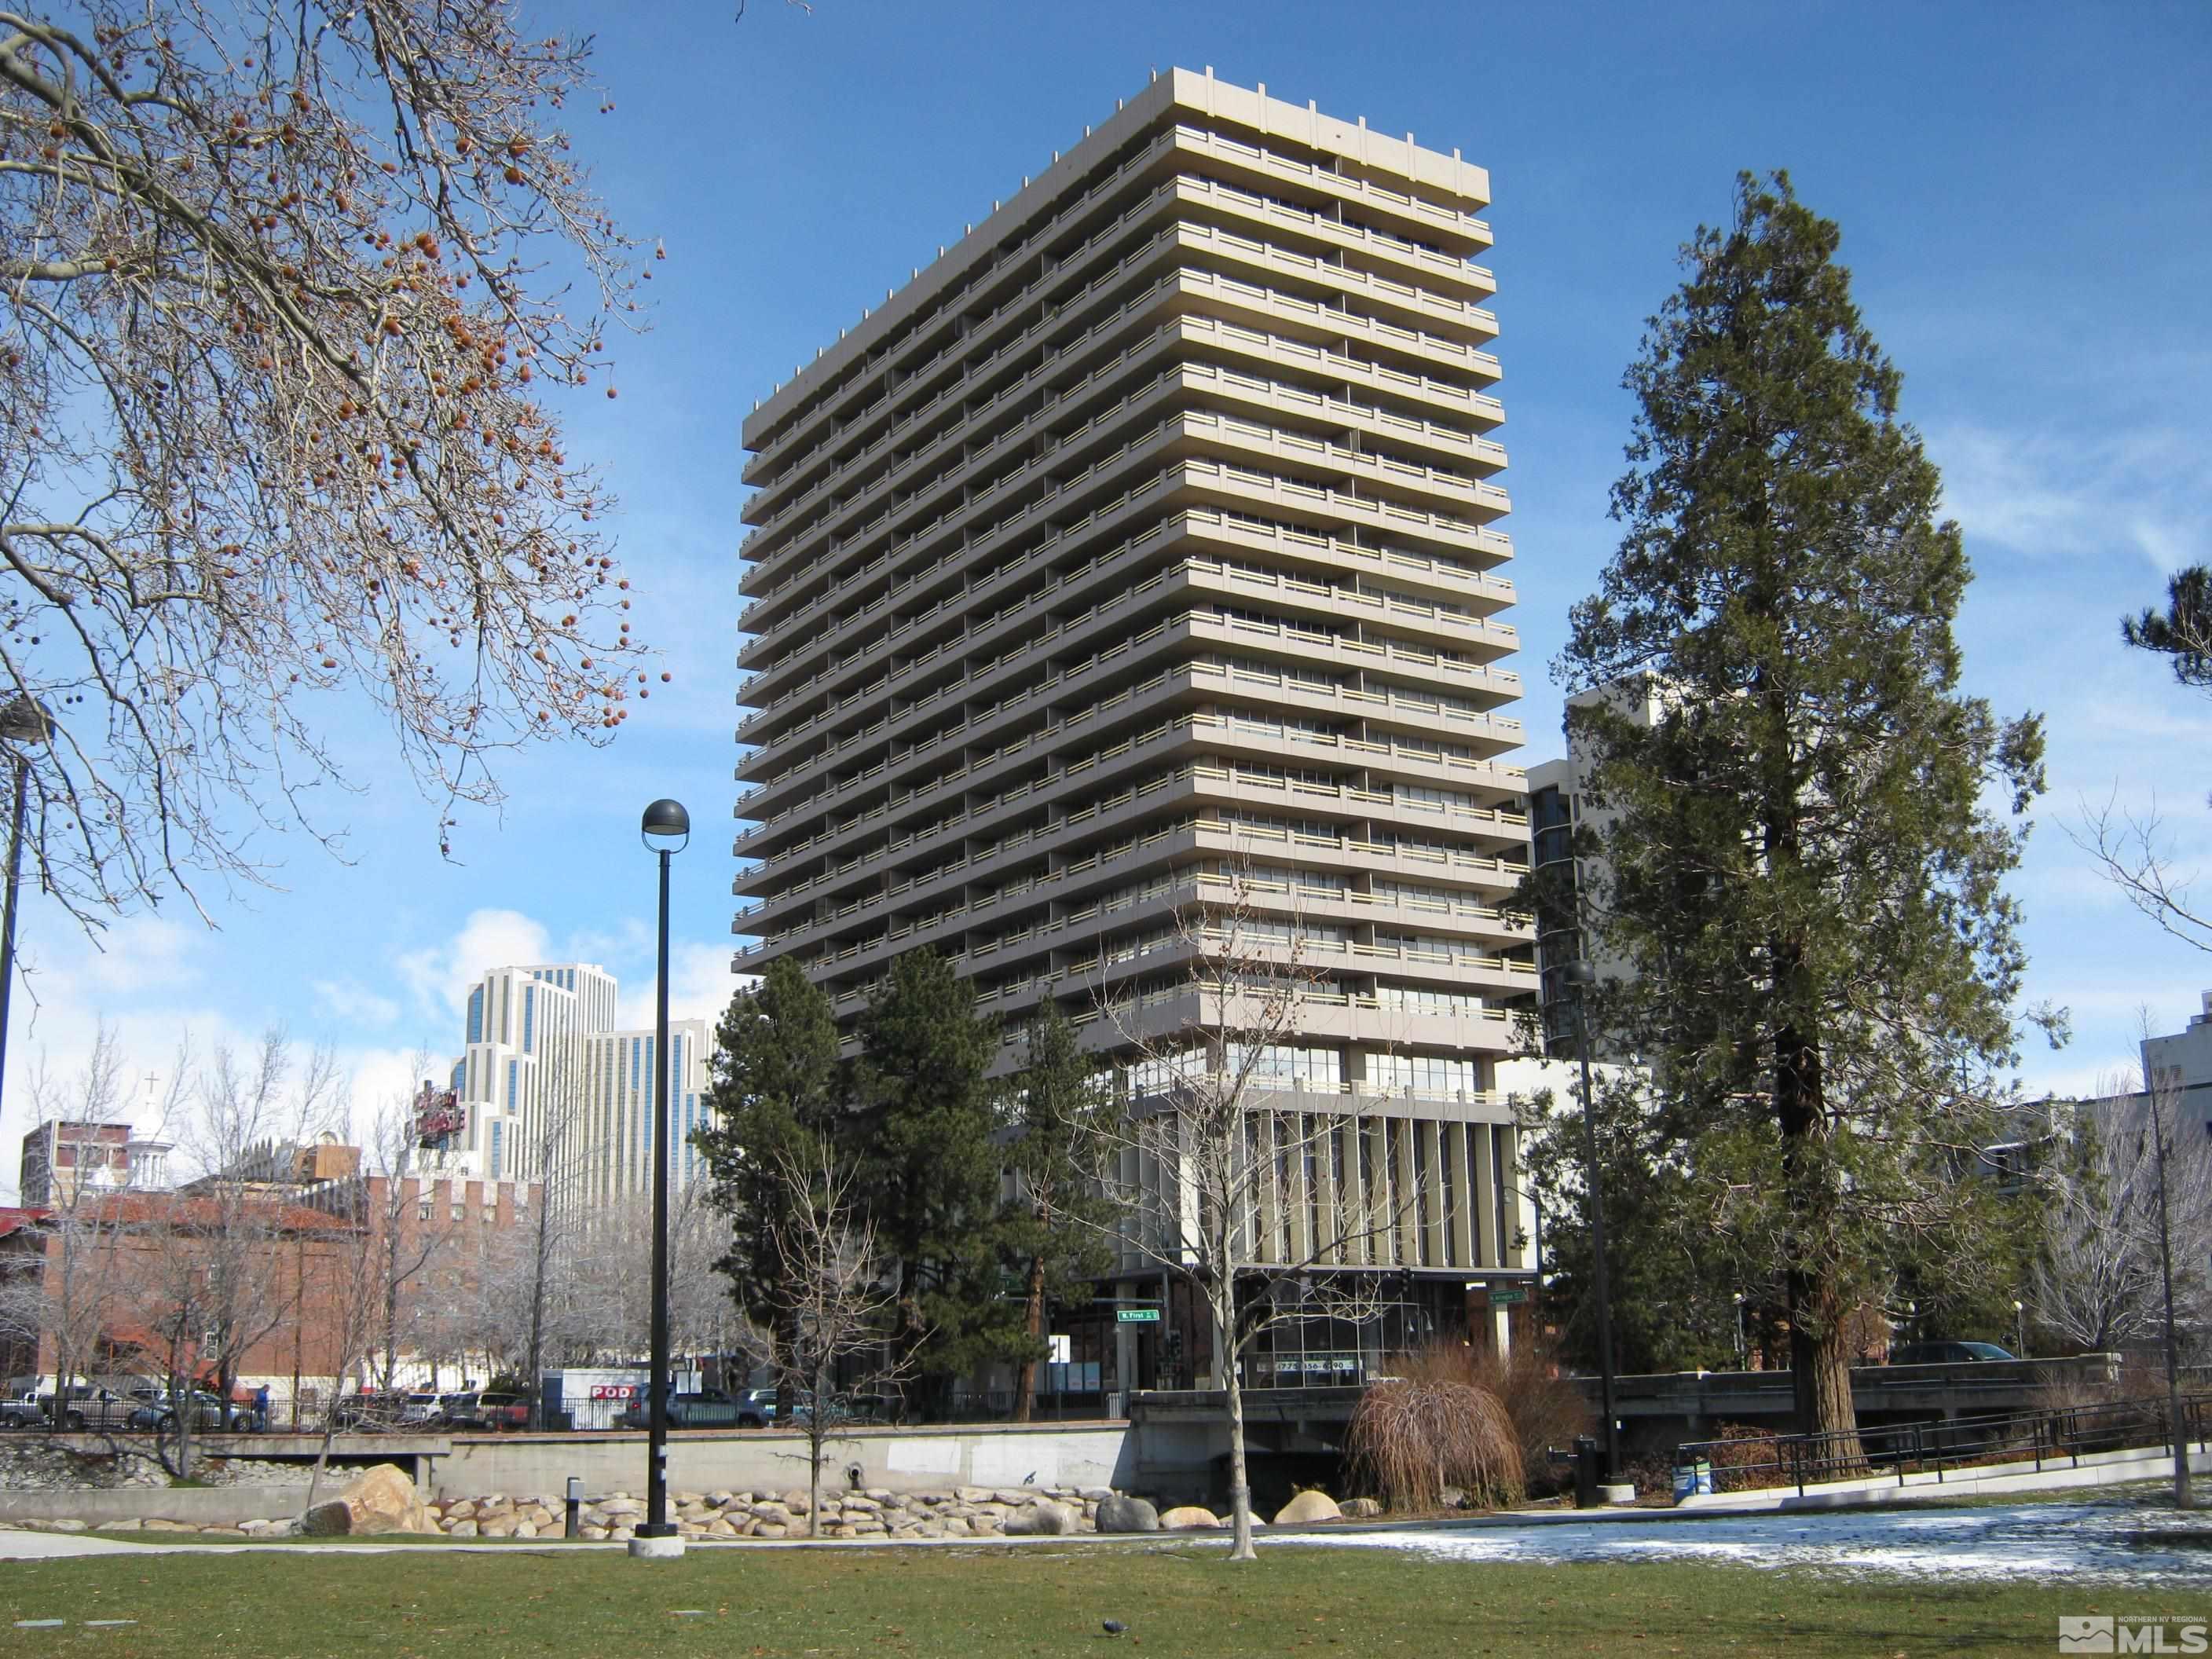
2183	631
928	1169
1056	1221
1802	875
777	1092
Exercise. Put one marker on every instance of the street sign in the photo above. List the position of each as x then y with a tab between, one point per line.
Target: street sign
1136	1315
1502	1296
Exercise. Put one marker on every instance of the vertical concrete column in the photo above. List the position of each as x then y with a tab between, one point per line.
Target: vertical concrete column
1468	1199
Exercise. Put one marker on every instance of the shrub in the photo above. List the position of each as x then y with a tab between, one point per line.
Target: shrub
1426	1429
1744	1456
1547	1409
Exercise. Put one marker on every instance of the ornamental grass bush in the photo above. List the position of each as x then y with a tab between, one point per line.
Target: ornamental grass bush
1547	1409
1429	1428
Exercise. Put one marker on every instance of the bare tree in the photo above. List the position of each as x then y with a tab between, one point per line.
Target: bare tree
612	1279
281	287
2137	856
2095	1281
1218	1173
211	1283
353	1297
77	1296
410	1231
837	1299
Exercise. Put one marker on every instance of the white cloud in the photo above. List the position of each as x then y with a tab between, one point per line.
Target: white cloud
700	986
439	976
2048	495
351	1001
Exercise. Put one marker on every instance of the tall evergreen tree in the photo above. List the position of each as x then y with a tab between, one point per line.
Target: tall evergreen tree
2183	631
1673	1283
929	1168
1061	1119
776	1091
1803	876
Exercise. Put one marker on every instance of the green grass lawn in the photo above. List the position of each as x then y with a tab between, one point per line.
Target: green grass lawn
1176	1601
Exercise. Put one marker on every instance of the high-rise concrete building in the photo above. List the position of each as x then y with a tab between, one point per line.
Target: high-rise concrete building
544	1071
1148	534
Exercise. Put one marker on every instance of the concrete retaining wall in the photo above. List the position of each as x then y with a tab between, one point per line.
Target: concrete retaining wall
903	1460
203	1506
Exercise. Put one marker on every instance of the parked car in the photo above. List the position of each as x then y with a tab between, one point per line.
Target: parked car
503	1411
21	1411
90	1410
1945	1353
422	1409
756	1408
485	1411
369	1413
710	1408
159	1411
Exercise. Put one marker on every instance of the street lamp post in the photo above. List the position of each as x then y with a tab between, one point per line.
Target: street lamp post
666	830
1742	1337
2019	1330
1581	976
22	720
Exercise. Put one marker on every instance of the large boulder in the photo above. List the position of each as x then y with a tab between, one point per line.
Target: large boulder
1188	1518
1307	1507
381	1499
1360	1509
1119	1514
1040	1520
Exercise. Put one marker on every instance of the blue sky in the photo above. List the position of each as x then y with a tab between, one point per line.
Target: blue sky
2026	210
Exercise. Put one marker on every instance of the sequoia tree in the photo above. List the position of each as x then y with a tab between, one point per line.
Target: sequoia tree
1800	871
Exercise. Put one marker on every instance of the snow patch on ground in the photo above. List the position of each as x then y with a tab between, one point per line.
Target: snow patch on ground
2110	1540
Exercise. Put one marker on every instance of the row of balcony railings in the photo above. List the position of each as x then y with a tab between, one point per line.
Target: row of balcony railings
1473	724
1217	379
1196	522
1279	689
1308	948
1181	281
1385	607
1197	726
1202	625
1244	836
1202	886
1196	470
802	421
1350	798
833	532
1124	1011
1306	953
1218	778
1194	422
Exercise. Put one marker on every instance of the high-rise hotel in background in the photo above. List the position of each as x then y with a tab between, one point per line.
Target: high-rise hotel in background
1151	533
546	1089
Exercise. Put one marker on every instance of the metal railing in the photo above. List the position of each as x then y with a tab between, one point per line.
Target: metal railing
2051	1436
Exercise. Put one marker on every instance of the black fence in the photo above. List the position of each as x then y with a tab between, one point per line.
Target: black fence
2055	1436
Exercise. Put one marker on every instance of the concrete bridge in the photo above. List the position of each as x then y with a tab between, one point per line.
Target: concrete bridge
1660	1411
